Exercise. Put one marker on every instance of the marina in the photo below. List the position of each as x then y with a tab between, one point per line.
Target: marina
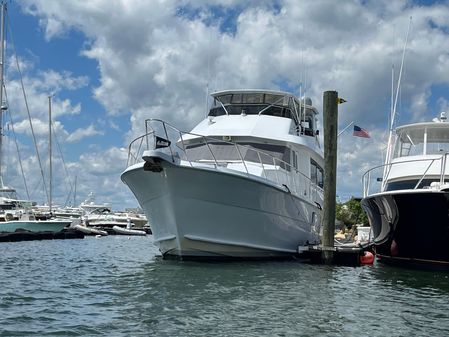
224	193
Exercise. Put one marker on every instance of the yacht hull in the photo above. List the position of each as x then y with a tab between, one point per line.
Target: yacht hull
410	227
205	213
34	225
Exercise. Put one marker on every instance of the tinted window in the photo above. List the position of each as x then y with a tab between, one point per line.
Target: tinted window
409	184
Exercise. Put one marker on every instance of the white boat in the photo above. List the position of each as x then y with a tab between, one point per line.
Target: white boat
89	205
409	215
105	217
78	225
245	183
139	220
128	231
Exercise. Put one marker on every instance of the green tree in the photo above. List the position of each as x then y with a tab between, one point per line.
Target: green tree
351	213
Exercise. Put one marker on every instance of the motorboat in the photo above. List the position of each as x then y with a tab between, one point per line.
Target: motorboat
246	182
89	205
16	214
138	219
408	210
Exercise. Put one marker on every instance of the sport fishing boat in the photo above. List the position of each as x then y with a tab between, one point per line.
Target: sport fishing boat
410	215
246	182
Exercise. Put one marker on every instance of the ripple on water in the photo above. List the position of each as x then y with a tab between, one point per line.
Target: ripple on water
116	286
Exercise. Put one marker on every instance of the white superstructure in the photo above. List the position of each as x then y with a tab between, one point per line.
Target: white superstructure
246	182
418	160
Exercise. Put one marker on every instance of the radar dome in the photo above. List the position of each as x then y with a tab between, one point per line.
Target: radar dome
308	101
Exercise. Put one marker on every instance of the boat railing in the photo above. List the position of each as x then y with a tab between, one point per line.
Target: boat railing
239	157
386	169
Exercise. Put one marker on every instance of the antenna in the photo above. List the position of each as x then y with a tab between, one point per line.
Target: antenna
208	75
2	58
389	154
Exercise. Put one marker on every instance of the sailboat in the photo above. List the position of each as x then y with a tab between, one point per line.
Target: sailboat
17	214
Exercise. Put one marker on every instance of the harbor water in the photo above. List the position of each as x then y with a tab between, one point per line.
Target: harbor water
119	286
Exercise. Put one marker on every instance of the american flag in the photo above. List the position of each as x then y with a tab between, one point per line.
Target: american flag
360	132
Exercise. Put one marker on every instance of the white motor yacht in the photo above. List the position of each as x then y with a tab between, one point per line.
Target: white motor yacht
246	182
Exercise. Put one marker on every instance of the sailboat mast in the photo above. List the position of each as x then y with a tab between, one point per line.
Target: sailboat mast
50	149
74	194
2	108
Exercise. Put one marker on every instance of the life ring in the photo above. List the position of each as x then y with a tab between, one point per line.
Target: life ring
367	258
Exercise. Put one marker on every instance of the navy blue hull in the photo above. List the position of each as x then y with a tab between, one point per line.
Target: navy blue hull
410	227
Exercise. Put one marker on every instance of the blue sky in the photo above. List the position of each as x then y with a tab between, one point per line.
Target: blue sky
111	64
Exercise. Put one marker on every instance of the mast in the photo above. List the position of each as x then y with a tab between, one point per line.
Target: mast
74	194
49	149
2	57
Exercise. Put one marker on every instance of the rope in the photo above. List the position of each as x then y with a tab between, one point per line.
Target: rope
17	146
64	164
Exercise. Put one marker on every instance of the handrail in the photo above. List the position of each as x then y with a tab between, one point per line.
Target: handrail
296	180
424	175
366	177
130	153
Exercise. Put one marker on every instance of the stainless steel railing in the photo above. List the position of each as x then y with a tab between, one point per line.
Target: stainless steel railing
386	170
269	167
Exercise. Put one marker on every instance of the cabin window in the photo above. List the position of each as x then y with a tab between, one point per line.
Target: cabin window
253	98
294	159
225	99
236	98
409	184
316	174
437	140
253	104
273	99
253	152
410	143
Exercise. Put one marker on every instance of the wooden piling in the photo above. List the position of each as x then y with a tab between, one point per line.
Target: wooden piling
330	121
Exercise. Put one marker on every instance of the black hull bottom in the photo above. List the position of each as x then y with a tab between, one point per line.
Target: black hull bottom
411	228
413	263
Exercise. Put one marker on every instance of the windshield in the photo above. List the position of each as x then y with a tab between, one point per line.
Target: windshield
254	152
254	104
422	141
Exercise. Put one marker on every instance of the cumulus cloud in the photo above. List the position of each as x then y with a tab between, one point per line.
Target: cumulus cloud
81	133
156	58
37	87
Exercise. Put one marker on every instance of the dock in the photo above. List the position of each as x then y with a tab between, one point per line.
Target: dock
23	235
353	254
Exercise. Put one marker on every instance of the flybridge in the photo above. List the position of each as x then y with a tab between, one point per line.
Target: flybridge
423	138
272	103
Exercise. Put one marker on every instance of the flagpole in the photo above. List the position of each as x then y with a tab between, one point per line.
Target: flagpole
345	129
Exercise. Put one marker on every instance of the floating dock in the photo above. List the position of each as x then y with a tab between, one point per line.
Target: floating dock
23	235
344	255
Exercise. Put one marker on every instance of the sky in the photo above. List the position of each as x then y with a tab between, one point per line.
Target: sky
110	64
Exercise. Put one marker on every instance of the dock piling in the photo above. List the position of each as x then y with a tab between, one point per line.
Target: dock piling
330	121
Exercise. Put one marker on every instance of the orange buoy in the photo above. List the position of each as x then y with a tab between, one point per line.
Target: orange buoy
367	258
